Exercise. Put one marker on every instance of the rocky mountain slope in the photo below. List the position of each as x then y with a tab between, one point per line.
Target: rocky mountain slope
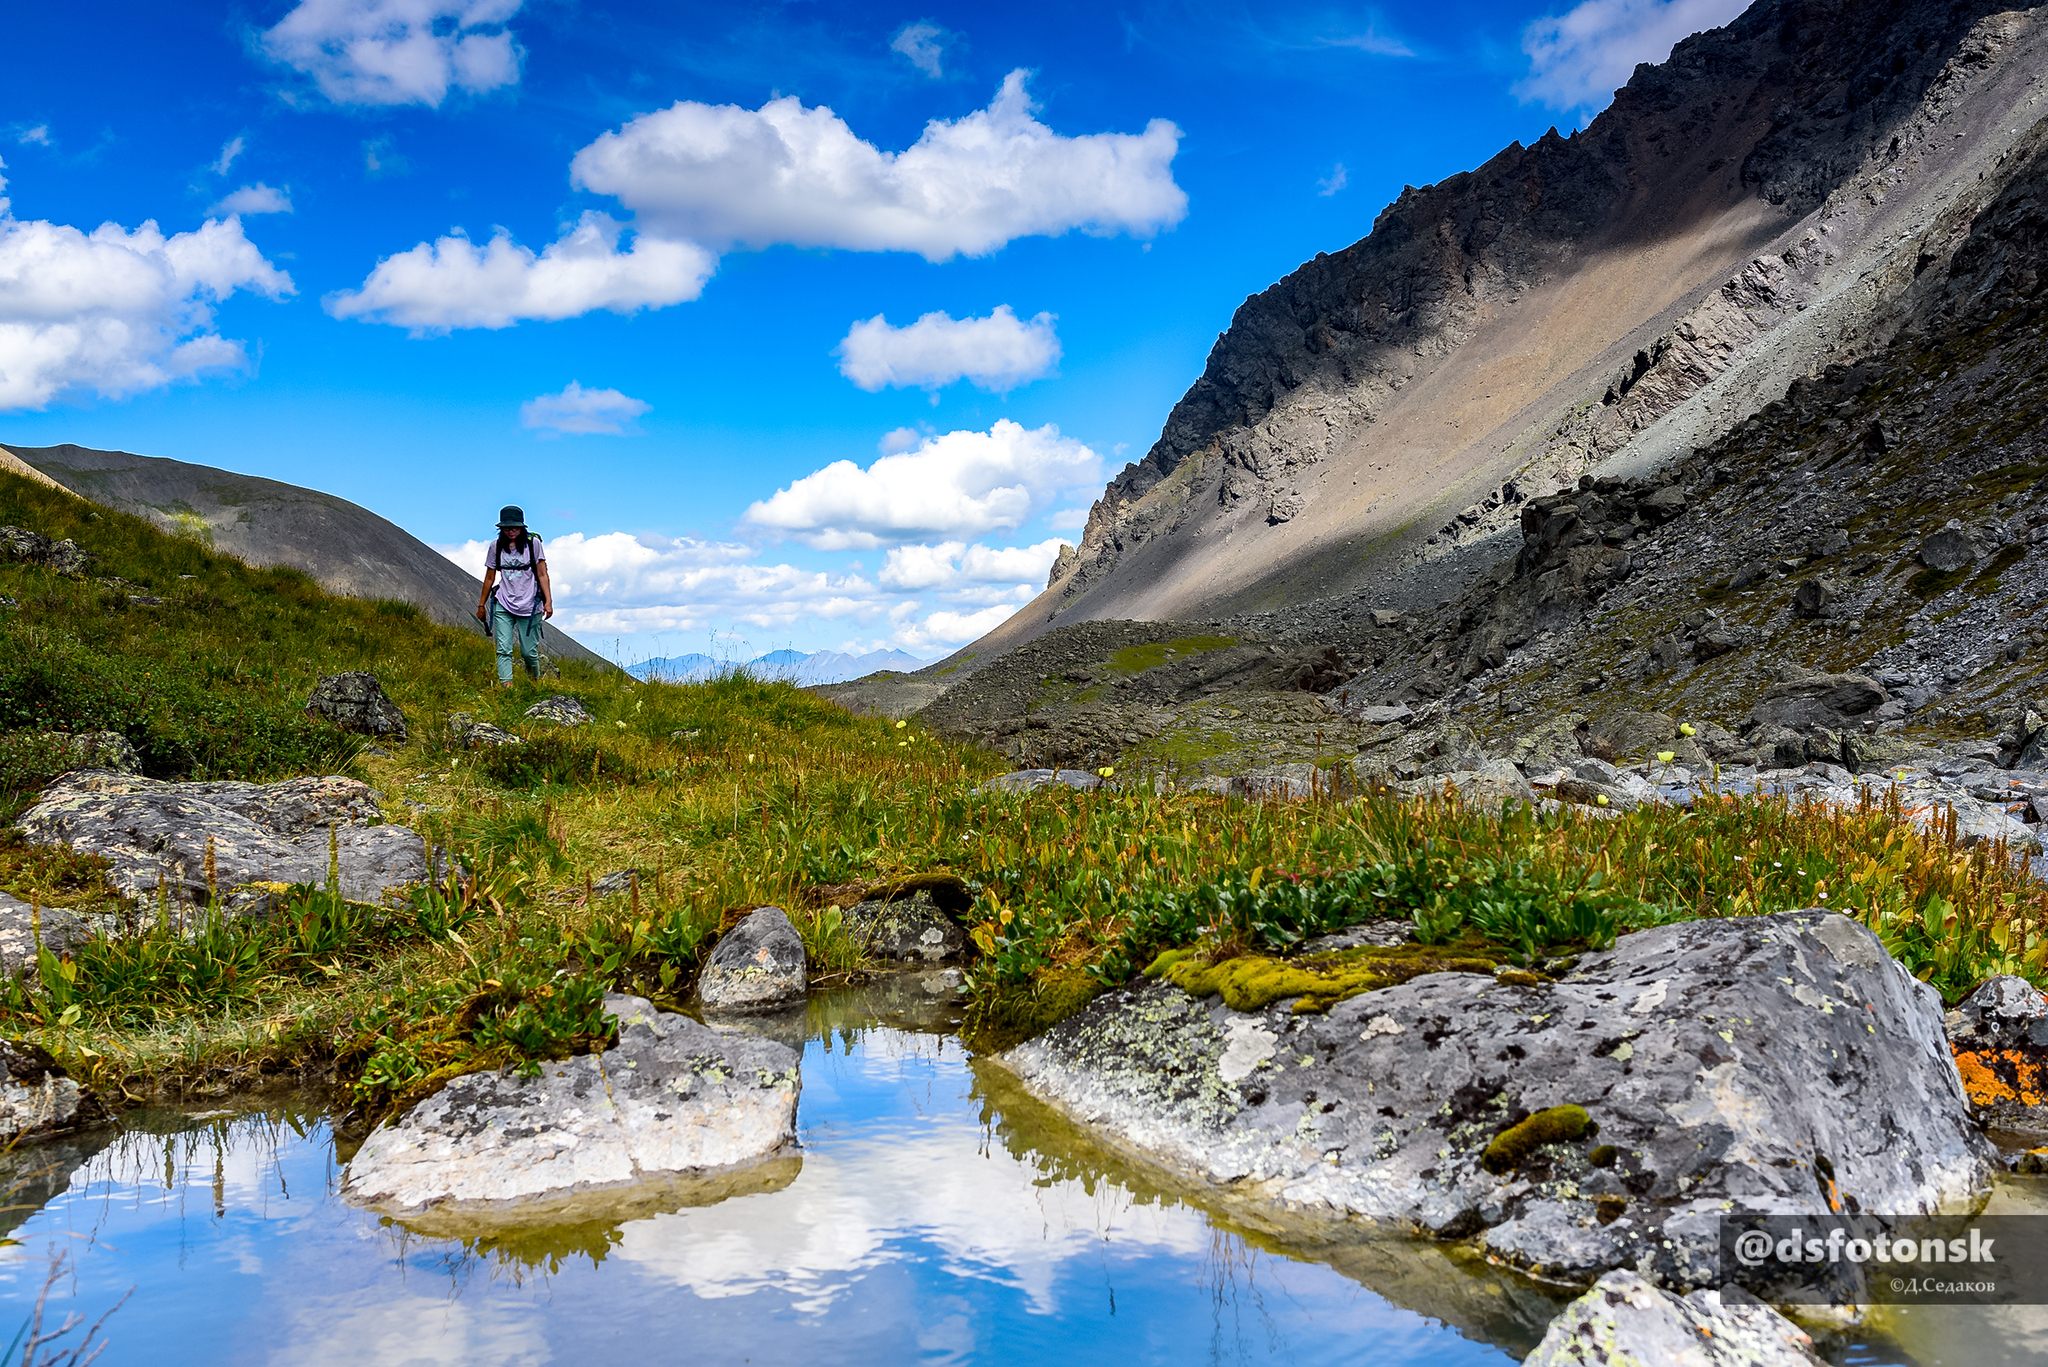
347	548
1755	209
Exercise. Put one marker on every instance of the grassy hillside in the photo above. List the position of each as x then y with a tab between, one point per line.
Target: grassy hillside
739	792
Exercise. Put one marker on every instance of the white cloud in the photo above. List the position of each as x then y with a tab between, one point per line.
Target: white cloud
229	150
1336	181
1578	59
39	136
898	439
996	353
721	175
950	630
455	284
391	52
924	43
582	412
958	484
254	199
117	312
954	564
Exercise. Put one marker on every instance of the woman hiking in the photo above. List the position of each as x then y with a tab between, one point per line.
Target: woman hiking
518	566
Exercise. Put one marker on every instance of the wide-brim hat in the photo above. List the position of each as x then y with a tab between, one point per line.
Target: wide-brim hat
512	515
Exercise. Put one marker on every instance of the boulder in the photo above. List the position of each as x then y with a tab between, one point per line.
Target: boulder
60	932
758	965
468	731
65	557
355	702
1031	780
1813	700
1624	1321
1948	550
613	884
563	709
1604	1119
1632	733
1812	598
1387	714
911	930
1714	643
1999	1035
1489	785
673	1099
156	836
98	750
37	1096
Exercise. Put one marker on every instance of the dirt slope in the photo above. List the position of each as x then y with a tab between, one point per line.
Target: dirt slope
347	548
1752	210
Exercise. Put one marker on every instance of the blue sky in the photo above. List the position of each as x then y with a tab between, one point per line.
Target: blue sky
789	324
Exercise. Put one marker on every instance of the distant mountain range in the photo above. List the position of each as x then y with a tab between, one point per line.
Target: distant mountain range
825	666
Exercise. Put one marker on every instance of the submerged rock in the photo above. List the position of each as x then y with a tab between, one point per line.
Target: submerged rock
673	1099
356	702
2000	1038
37	1096
912	930
1775	1063
1624	1321
156	836
758	965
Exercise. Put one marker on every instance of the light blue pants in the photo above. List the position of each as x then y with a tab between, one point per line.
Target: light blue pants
517	636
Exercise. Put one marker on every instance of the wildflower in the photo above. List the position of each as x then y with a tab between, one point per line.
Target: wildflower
750	758
1600	798
1685	729
1666	756
1107	771
901	724
621	725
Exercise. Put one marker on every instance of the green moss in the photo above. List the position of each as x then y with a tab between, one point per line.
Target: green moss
1604	1156
1932	583
1138	659
1252	982
1512	1146
1987	579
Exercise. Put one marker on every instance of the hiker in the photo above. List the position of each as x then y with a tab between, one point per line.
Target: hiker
518	565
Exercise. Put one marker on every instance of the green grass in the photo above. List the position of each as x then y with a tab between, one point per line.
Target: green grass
1138	659
738	792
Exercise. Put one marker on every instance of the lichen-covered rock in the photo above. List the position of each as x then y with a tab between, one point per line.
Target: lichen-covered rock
1775	1063
356	702
98	750
156	835
758	965
1031	780
60	932
1999	1035
911	930
563	709
1624	1321
37	1096
467	730
672	1099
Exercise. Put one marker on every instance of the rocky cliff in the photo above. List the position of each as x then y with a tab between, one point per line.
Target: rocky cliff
1755	209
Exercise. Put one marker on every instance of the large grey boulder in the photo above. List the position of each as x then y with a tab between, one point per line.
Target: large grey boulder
758	965
356	702
911	930
1999	1035
60	932
155	836
37	1096
672	1102
1624	1321
1757	1062
1950	549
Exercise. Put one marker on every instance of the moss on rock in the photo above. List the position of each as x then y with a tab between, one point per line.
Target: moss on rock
1512	1146
1252	982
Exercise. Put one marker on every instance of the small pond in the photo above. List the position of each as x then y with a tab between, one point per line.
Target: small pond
936	1215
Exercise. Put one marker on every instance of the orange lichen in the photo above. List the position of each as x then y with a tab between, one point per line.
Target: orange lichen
1994	1075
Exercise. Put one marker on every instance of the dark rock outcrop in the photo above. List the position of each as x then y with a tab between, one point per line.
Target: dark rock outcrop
356	702
1779	1063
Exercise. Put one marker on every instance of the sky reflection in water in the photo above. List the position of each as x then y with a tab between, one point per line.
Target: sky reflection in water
913	1233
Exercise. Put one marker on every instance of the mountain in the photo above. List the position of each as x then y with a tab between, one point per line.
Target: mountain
1754	210
347	548
823	667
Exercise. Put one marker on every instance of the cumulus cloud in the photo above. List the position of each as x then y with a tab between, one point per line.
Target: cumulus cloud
1578	59
955	564
115	311
254	199
923	43
996	353
582	412
950	630
229	150
454	283
723	175
392	52
959	484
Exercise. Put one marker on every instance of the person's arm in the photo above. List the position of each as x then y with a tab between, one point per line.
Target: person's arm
547	590
483	601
